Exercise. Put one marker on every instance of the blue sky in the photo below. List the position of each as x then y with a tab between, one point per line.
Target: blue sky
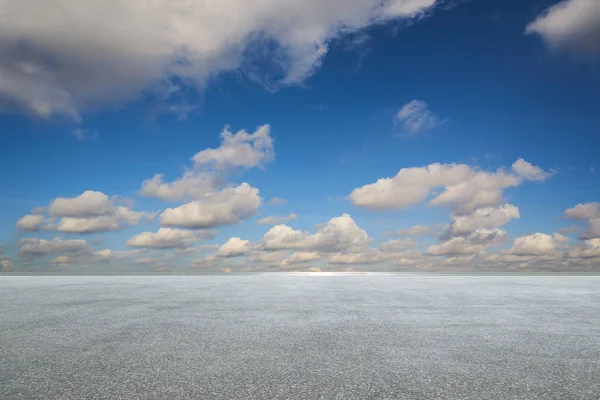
405	84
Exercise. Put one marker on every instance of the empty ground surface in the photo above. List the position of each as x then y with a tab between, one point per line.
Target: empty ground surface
300	337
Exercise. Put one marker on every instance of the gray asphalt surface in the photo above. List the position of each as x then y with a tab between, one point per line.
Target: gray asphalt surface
300	337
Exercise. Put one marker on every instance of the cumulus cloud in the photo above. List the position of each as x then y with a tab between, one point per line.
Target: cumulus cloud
302	257
391	250
234	247
267	258
103	254
482	189
590	249
465	189
387	251
357	258
61	261
192	185
226	207
538	244
488	218
410	186
88	204
412	260
277	220
86	225
7	265
475	242
589	212
584	211
30	222
529	171
416	117
593	229
60	60
168	238
337	234
90	212
240	150
571	25
35	247
207	261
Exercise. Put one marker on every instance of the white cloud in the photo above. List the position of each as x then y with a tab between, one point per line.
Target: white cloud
337	234
165	238
115	222
242	149
277	220
590	212
465	189
416	117
268	258
572	25
482	189
82	55
92	212
412	261
391	250
589	250
30	222
104	254
192	185
505	260
88	204
208	261
61	261
475	242
277	201
593	229
86	225
225	207
40	247
410	186
538	244
302	257
234	247
584	211
131	217
529	171
357	258
488	218
7	265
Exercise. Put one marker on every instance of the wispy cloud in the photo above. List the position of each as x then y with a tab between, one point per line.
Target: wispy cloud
416	117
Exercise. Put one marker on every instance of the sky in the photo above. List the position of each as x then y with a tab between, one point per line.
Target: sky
330	135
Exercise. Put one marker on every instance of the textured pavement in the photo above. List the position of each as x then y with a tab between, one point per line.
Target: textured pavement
300	337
